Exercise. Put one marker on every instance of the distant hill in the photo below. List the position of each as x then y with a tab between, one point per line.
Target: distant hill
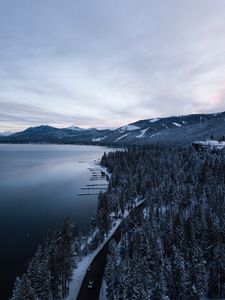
6	133
179	129
48	134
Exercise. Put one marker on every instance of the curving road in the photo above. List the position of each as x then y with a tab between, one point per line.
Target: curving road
97	267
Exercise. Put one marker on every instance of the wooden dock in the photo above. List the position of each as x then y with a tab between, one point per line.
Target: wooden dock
87	194
97	184
93	179
93	188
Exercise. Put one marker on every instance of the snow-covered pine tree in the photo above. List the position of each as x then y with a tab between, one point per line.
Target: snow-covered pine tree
23	290
102	215
38	274
67	254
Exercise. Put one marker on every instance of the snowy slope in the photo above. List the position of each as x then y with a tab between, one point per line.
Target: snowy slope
128	128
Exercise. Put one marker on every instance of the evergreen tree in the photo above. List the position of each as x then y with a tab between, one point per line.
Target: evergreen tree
67	252
38	274
102	216
23	290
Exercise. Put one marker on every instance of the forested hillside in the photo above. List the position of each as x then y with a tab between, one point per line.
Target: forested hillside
176	248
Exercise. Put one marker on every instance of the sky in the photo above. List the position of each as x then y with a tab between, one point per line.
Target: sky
107	63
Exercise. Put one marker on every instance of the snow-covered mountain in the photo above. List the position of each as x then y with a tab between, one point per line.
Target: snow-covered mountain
176	128
48	134
183	129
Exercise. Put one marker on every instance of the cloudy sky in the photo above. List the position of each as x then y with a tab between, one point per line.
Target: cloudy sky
106	63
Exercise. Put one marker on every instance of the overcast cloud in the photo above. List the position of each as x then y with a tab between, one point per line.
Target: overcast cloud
108	63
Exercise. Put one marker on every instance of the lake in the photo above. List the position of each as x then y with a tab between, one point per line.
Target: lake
38	188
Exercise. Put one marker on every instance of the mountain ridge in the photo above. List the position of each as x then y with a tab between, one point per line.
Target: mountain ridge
182	128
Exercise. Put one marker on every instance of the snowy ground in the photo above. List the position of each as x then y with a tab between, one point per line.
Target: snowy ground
97	165
103	169
78	276
211	144
205	298
102	295
83	264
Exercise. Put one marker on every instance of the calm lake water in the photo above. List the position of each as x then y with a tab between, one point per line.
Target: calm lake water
38	188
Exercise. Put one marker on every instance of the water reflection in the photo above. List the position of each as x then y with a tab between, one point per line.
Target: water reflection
38	187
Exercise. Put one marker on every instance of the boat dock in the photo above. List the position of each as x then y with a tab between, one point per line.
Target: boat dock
95	188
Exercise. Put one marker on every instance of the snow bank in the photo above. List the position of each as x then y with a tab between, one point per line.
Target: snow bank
103	292
78	276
